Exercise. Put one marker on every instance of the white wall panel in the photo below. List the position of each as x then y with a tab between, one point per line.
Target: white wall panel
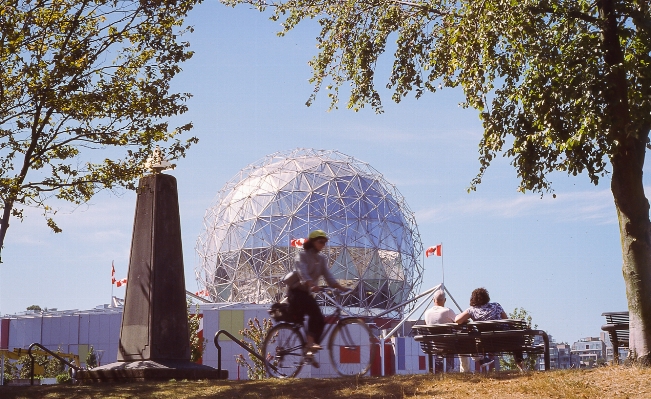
104	329
23	332
84	326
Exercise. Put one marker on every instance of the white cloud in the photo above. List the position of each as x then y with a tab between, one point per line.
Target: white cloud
105	221
595	206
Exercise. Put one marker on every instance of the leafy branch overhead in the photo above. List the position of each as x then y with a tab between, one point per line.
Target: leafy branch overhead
534	69
84	97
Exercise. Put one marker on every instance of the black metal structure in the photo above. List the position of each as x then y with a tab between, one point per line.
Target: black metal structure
53	354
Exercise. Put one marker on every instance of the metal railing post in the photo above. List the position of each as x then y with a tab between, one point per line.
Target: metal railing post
59	358
237	341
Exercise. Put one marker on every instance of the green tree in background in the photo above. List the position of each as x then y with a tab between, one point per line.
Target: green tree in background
255	333
35	308
529	363
84	97
197	344
560	86
91	358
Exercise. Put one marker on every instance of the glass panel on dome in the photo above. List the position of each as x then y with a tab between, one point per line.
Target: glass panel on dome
224	292
335	208
374	268
305	184
343	268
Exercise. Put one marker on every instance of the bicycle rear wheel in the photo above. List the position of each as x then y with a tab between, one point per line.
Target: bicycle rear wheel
283	351
351	347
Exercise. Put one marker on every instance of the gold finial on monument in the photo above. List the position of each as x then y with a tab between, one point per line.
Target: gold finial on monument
156	163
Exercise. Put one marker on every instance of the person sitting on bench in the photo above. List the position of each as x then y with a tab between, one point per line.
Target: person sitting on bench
439	314
482	309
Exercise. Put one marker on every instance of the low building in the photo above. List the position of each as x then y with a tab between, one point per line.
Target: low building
75	331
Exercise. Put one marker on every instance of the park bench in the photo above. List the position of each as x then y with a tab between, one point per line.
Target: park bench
617	329
480	338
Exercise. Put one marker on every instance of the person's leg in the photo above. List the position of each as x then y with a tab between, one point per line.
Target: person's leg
297	299
315	323
465	364
438	364
517	356
449	363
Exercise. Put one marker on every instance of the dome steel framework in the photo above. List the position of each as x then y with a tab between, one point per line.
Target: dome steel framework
245	247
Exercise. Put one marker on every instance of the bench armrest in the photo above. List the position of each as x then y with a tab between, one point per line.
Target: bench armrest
615	327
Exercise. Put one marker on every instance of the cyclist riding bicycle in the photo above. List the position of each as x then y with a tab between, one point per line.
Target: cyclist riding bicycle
311	265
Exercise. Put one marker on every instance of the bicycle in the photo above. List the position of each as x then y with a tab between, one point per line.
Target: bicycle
350	344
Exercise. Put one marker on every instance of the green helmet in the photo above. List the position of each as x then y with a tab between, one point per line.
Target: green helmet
317	234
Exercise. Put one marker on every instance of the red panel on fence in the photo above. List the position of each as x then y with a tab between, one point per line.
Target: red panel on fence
422	363
389	360
349	354
4	334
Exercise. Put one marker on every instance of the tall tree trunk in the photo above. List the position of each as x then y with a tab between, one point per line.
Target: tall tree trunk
635	232
627	187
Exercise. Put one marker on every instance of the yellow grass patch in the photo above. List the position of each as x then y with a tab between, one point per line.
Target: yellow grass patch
601	383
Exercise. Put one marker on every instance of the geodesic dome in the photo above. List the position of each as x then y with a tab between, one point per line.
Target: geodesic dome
374	244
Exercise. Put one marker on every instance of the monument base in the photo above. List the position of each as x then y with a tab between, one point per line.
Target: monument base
150	370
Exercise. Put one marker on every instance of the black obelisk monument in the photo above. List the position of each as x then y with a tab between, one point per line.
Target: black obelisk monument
154	337
155	322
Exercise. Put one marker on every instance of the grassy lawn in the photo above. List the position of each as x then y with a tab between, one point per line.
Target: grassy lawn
602	383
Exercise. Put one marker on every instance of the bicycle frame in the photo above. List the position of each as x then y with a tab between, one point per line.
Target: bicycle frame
336	320
339	310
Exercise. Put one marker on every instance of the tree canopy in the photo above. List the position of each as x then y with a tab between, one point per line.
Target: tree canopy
535	69
559	85
85	96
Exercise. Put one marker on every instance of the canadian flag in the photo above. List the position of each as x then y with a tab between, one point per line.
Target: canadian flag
112	273
202	293
435	250
298	243
120	283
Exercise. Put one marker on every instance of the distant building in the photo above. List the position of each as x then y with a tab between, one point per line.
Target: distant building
590	351
563	357
560	355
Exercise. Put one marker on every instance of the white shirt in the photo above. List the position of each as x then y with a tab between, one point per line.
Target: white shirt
439	315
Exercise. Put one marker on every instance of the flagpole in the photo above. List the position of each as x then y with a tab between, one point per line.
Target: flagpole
442	268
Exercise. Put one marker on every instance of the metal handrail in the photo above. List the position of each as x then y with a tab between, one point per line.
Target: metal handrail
29	352
240	343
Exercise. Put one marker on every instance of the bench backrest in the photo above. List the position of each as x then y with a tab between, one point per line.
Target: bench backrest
616	317
618	327
477	337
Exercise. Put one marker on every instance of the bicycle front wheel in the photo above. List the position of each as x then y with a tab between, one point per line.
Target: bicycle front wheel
283	351
351	347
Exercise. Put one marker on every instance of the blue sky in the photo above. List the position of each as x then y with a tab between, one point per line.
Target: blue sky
558	258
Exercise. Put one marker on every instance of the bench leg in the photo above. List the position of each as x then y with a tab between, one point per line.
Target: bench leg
615	343
546	342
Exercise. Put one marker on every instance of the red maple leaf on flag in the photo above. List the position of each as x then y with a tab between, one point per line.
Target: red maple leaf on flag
435	250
